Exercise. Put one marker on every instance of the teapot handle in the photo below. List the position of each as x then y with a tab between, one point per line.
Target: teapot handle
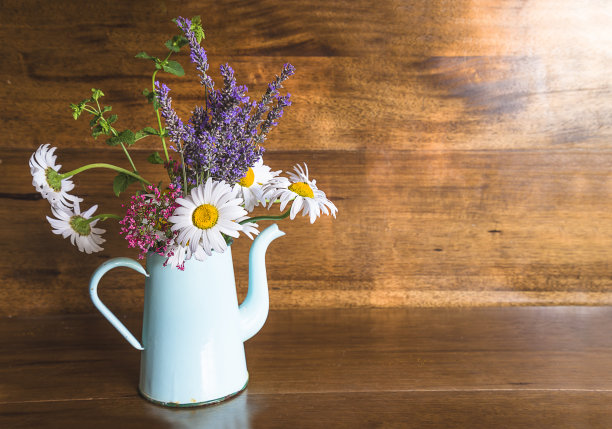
93	291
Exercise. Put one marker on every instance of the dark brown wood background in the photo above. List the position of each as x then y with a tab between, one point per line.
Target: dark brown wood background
467	144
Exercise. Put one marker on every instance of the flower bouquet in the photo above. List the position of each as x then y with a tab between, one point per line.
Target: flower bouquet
216	173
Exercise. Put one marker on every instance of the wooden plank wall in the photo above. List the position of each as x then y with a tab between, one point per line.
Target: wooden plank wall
467	144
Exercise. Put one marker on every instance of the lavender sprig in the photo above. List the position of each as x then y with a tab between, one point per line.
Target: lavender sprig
174	125
221	139
268	97
198	54
274	114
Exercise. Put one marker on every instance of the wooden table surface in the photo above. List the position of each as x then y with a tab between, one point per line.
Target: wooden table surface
482	367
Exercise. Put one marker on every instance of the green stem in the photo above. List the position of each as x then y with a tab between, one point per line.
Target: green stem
102	165
90	110
258	218
99	113
104	217
159	124
184	173
128	157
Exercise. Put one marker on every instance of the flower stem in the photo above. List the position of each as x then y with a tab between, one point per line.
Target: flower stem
184	173
102	165
159	124
258	218
104	217
99	113
129	157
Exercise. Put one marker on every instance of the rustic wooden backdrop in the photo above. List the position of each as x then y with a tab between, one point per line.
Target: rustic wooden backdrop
467	144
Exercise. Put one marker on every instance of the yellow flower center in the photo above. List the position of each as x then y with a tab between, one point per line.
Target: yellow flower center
205	216
248	179
160	224
302	189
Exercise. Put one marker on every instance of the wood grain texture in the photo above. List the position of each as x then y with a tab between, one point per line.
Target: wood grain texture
467	144
487	367
462	229
424	74
478	410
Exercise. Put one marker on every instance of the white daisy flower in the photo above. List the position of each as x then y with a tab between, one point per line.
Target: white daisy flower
302	191
250	228
74	224
210	210
177	255
47	181
250	187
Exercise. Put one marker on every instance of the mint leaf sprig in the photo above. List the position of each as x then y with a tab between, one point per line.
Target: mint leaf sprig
174	45
101	125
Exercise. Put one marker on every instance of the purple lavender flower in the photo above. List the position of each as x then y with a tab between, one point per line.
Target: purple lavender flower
198	54
221	139
269	96
174	125
274	114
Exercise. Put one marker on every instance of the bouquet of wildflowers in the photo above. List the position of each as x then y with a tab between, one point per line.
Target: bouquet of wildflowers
216	173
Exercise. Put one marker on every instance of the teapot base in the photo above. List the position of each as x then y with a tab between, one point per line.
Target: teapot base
193	404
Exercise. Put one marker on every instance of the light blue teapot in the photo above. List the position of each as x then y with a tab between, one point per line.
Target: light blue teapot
193	329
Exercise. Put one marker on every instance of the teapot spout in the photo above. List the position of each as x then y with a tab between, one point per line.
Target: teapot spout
254	308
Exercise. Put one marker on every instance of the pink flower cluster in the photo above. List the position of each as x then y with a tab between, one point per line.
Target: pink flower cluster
146	224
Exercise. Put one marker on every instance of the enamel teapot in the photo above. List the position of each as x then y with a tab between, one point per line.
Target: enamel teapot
192	350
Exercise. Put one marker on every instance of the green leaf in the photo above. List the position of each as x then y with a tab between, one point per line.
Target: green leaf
126	137
76	111
152	98
154	158
96	131
176	43
106	128
121	182
146	92
107	109
196	27
174	68
96	94
146	131
112	119
144	56
172	46
150	131
228	240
